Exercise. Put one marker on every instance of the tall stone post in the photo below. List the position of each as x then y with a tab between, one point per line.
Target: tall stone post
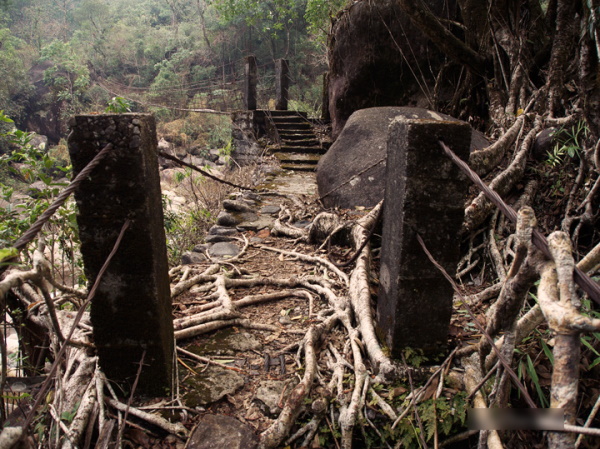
131	312
424	195
325	99
250	80
282	84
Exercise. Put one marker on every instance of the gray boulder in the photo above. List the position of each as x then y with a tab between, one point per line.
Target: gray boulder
352	172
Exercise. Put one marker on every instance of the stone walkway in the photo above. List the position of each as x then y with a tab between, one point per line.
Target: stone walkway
262	392
289	182
251	212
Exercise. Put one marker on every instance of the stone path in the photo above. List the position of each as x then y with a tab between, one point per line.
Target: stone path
292	183
243	212
250	212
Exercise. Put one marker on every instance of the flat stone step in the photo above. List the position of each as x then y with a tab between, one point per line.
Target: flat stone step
292	182
300	142
298	158
296	134
300	126
276	114
289	118
301	149
299	167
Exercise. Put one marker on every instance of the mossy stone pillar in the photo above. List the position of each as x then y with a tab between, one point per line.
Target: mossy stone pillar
282	84
250	80
425	194
131	312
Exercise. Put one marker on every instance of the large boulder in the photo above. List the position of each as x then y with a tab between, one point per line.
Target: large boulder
379	58
352	172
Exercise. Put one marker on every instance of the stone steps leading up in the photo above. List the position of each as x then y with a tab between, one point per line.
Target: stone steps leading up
294	126
298	161
296	135
299	149
312	142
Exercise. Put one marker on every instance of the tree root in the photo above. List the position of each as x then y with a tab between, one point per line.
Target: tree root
481	207
280	428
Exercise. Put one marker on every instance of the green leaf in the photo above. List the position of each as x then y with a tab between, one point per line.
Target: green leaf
536	381
5	118
594	363
547	351
587	344
8	253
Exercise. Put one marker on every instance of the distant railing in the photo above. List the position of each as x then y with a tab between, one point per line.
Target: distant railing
243	85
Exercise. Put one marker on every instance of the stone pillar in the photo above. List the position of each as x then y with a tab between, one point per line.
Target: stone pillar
282	84
250	70
425	194
131	312
325	99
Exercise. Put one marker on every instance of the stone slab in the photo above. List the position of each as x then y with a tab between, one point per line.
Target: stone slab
210	385
271	209
221	432
270	393
222	230
236	206
191	257
256	225
224	249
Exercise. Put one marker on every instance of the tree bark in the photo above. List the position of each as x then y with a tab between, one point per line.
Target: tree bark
561	54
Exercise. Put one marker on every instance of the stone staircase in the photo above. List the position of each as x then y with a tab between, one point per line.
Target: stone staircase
298	146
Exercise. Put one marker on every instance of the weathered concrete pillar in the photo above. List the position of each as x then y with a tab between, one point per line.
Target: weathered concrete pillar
325	99
250	80
282	84
424	194
131	312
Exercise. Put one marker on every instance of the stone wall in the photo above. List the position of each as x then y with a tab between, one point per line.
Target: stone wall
248	126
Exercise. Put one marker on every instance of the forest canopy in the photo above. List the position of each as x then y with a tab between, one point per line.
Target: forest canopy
80	52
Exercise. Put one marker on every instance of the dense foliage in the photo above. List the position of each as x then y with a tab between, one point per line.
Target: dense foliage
78	52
